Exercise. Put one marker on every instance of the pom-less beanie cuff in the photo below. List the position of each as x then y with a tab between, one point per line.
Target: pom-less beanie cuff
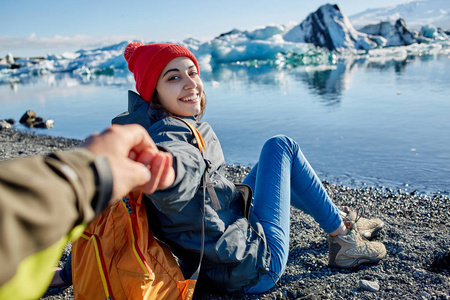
147	62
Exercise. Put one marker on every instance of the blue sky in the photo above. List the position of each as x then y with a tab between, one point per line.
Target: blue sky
35	28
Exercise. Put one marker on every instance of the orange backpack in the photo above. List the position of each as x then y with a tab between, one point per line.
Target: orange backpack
117	256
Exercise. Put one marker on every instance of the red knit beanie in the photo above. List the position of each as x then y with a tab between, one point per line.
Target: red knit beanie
147	62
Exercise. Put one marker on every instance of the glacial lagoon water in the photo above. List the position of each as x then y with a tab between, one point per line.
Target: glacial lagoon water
359	123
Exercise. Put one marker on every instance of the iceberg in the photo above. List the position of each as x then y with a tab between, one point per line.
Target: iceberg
328	27
238	46
395	35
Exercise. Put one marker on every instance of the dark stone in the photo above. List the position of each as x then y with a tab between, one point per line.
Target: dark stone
5	125
44	124
28	118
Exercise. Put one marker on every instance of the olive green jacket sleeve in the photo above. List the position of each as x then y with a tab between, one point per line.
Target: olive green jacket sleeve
42	200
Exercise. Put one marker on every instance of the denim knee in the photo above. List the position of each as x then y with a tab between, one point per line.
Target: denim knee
284	142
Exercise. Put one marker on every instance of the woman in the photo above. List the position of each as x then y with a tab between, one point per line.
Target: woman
241	253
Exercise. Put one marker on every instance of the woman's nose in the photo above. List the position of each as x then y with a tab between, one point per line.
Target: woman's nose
190	83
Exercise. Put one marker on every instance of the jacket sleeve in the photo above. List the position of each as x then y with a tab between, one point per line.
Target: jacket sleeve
175	137
43	198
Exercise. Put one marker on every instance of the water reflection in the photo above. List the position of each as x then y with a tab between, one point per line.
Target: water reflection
265	74
116	78
327	81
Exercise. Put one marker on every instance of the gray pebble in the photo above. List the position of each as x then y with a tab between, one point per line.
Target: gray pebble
370	286
420	272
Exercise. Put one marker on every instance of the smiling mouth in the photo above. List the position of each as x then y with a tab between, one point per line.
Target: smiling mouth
190	98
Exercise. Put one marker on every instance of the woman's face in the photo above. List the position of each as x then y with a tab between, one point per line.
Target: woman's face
180	88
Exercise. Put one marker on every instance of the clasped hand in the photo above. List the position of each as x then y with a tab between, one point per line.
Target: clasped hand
135	161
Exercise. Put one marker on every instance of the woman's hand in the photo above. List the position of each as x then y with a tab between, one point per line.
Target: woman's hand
161	168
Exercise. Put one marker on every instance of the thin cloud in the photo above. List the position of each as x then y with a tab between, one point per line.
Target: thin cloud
58	43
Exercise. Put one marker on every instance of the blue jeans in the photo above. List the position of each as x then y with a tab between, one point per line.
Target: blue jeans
281	178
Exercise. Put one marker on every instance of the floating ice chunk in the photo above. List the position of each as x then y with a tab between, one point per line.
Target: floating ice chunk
265	33
236	46
385	54
204	62
65	55
9	59
432	32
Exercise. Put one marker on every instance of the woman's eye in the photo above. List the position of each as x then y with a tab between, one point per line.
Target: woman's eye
193	73
175	77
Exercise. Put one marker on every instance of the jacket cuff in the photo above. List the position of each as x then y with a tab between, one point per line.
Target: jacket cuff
103	184
174	165
94	183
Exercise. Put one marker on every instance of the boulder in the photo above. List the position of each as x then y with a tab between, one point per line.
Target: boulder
28	118
5	125
44	124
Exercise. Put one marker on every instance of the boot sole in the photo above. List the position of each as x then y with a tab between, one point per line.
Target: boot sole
353	263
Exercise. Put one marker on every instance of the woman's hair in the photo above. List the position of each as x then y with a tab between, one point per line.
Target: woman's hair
156	104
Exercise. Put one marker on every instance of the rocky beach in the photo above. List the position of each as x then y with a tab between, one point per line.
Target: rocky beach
416	236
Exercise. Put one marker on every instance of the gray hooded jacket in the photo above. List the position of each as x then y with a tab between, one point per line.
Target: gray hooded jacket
236	253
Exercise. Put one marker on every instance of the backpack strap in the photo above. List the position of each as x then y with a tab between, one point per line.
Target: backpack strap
206	177
200	141
207	184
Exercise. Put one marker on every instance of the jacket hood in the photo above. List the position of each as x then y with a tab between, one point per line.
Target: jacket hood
139	112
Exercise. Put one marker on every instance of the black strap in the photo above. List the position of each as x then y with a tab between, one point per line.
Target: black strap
210	187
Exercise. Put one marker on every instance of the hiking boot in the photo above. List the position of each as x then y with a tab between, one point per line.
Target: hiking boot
368	228
352	250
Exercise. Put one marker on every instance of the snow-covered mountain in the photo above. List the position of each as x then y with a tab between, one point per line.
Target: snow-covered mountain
416	14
